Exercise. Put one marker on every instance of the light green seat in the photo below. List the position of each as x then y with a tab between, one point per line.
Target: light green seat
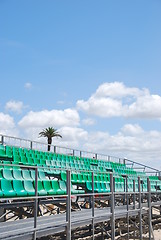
17	174
26	175
7	173
29	187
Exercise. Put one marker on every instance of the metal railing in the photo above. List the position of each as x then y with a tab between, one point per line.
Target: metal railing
112	194
25	143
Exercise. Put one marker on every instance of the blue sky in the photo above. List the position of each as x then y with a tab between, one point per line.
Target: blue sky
83	67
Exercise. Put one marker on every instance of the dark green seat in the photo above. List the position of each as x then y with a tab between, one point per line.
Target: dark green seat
1	193
7	188
9	151
56	187
48	187
19	188
41	190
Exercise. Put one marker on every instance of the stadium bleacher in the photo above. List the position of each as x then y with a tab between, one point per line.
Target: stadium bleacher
17	174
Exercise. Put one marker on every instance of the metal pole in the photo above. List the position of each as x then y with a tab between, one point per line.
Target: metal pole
140	210
31	145
134	195
54	149
36	201
127	204
96	156
2	140
73	152
109	158
112	207
149	206
68	213
93	205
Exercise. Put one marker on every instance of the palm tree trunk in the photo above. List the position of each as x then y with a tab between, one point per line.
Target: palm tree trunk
49	144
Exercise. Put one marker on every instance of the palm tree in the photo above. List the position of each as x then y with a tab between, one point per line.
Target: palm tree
49	133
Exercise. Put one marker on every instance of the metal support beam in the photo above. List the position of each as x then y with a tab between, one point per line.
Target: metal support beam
68	211
93	205
140	211
127	207
54	149
2	139
134	195
149	206
112	207
31	145
36	202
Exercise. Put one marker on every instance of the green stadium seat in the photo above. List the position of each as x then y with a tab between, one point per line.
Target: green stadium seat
7	174
41	190
19	188
56	187
7	188
17	174
48	188
26	175
29	188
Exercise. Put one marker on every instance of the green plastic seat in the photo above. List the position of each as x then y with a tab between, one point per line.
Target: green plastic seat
48	187
56	187
2	151
7	174
9	151
42	176
19	188
26	175
29	187
1	176
17	174
41	190
7	188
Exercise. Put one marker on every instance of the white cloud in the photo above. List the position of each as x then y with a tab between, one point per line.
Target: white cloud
46	118
7	125
117	100
131	142
88	121
14	106
28	85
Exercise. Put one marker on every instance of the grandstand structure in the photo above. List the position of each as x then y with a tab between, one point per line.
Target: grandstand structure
68	193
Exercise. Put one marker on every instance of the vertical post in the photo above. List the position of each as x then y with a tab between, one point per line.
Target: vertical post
140	209
93	205
127	204
36	202
112	207
149	206
109	158
30	144
134	196
54	149
68	213
124	161
96	156
73	153
2	140
80	154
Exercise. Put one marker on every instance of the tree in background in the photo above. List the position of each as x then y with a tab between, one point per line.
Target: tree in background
49	133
